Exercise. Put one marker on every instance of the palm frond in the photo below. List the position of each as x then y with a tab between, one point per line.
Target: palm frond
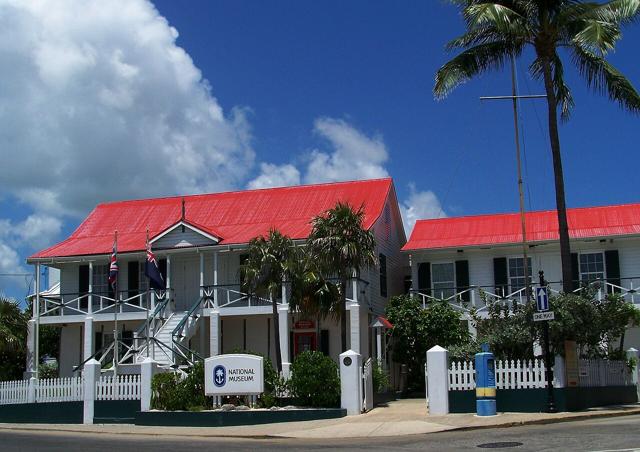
602	77
471	62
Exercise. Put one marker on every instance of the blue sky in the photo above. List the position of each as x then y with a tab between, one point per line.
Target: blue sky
270	93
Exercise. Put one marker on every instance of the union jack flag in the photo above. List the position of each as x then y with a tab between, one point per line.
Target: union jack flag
113	266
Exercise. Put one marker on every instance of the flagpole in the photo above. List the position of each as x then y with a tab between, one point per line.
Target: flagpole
148	292
116	296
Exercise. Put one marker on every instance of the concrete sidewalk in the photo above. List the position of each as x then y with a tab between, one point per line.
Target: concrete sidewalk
401	417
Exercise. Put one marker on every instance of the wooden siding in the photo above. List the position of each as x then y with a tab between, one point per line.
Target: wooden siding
179	239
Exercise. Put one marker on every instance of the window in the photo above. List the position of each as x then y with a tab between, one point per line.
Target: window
383	275
443	280
101	280
516	273
591	266
143	281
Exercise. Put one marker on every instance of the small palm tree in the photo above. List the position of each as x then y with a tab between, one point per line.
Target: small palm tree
341	246
269	264
500	30
13	325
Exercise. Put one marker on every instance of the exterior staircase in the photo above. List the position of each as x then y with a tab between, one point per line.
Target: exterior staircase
162	353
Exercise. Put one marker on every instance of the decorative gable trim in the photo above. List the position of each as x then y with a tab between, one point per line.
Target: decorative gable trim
186	225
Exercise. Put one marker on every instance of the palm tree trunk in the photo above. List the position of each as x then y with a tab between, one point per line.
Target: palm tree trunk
276	332
343	315
563	227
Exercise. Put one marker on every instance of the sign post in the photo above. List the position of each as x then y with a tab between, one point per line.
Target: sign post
542	301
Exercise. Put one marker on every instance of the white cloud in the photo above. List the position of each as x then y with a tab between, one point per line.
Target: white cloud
275	176
9	260
99	103
420	205
354	155
38	231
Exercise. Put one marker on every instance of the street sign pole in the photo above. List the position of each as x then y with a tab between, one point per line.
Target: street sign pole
551	405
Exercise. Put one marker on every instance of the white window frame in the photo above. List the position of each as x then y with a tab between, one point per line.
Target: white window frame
451	287
604	265
509	277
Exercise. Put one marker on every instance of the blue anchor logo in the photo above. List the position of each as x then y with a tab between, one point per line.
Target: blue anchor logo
219	376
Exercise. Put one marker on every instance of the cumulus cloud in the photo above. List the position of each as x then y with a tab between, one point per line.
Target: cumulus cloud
99	103
353	156
275	176
420	205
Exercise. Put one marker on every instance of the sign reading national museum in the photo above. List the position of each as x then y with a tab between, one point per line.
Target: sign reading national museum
235	374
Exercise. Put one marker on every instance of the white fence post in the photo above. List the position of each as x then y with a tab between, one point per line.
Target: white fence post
351	382
31	394
559	373
148	369
438	381
91	373
633	353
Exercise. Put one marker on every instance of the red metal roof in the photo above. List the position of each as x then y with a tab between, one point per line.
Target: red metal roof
486	230
235	217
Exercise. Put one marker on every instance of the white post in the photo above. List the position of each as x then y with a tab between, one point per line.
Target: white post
559	373
354	327
36	350
351	382
91	373
215	279
88	338
201	274
90	297
438	381
214	333
379	345
168	305
31	395
31	343
635	354
283	324
148	368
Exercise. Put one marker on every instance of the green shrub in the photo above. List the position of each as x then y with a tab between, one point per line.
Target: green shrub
273	384
171	392
48	371
380	377
314	380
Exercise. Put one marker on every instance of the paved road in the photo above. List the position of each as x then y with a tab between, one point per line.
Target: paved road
609	434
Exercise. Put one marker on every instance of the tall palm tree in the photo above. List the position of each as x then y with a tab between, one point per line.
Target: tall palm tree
587	31
269	264
13	325
341	246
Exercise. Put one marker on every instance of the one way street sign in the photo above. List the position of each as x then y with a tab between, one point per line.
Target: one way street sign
542	299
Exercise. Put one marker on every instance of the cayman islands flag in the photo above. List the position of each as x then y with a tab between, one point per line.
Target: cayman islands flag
113	266
152	271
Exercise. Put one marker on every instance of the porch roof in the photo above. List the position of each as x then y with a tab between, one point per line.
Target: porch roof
504	229
234	217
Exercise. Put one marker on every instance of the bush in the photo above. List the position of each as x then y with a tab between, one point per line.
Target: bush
380	377
314	380
171	392
48	371
273	384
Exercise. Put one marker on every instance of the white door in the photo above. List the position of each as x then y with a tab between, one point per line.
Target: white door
185	280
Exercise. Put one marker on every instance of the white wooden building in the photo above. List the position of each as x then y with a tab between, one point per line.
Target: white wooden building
458	258
199	242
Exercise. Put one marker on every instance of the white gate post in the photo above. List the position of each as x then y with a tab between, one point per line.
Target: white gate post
351	382
635	354
148	368
90	374
31	395
438	381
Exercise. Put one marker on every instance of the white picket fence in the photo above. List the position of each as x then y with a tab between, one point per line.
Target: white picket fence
599	372
510	374
14	392
59	389
126	387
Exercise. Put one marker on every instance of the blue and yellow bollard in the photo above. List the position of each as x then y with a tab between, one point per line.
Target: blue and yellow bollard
485	384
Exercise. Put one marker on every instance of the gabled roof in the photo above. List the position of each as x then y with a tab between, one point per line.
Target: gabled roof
234	217
504	229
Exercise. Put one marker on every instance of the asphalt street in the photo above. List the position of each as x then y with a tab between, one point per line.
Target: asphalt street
608	434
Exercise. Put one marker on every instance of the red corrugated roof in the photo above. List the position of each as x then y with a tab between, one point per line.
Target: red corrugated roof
484	230
235	217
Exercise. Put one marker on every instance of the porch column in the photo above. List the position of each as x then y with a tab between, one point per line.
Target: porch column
31	342
283	321
170	310
36	351
215	278
379	345
214	333
88	338
354	318
90	300
201	274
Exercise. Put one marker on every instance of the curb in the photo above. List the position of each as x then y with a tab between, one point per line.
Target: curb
568	418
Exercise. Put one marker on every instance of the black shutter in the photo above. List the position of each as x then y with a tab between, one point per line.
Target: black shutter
575	271
462	279
612	267
133	279
383	275
162	266
424	278
500	277
97	342
324	342
243	260
83	279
